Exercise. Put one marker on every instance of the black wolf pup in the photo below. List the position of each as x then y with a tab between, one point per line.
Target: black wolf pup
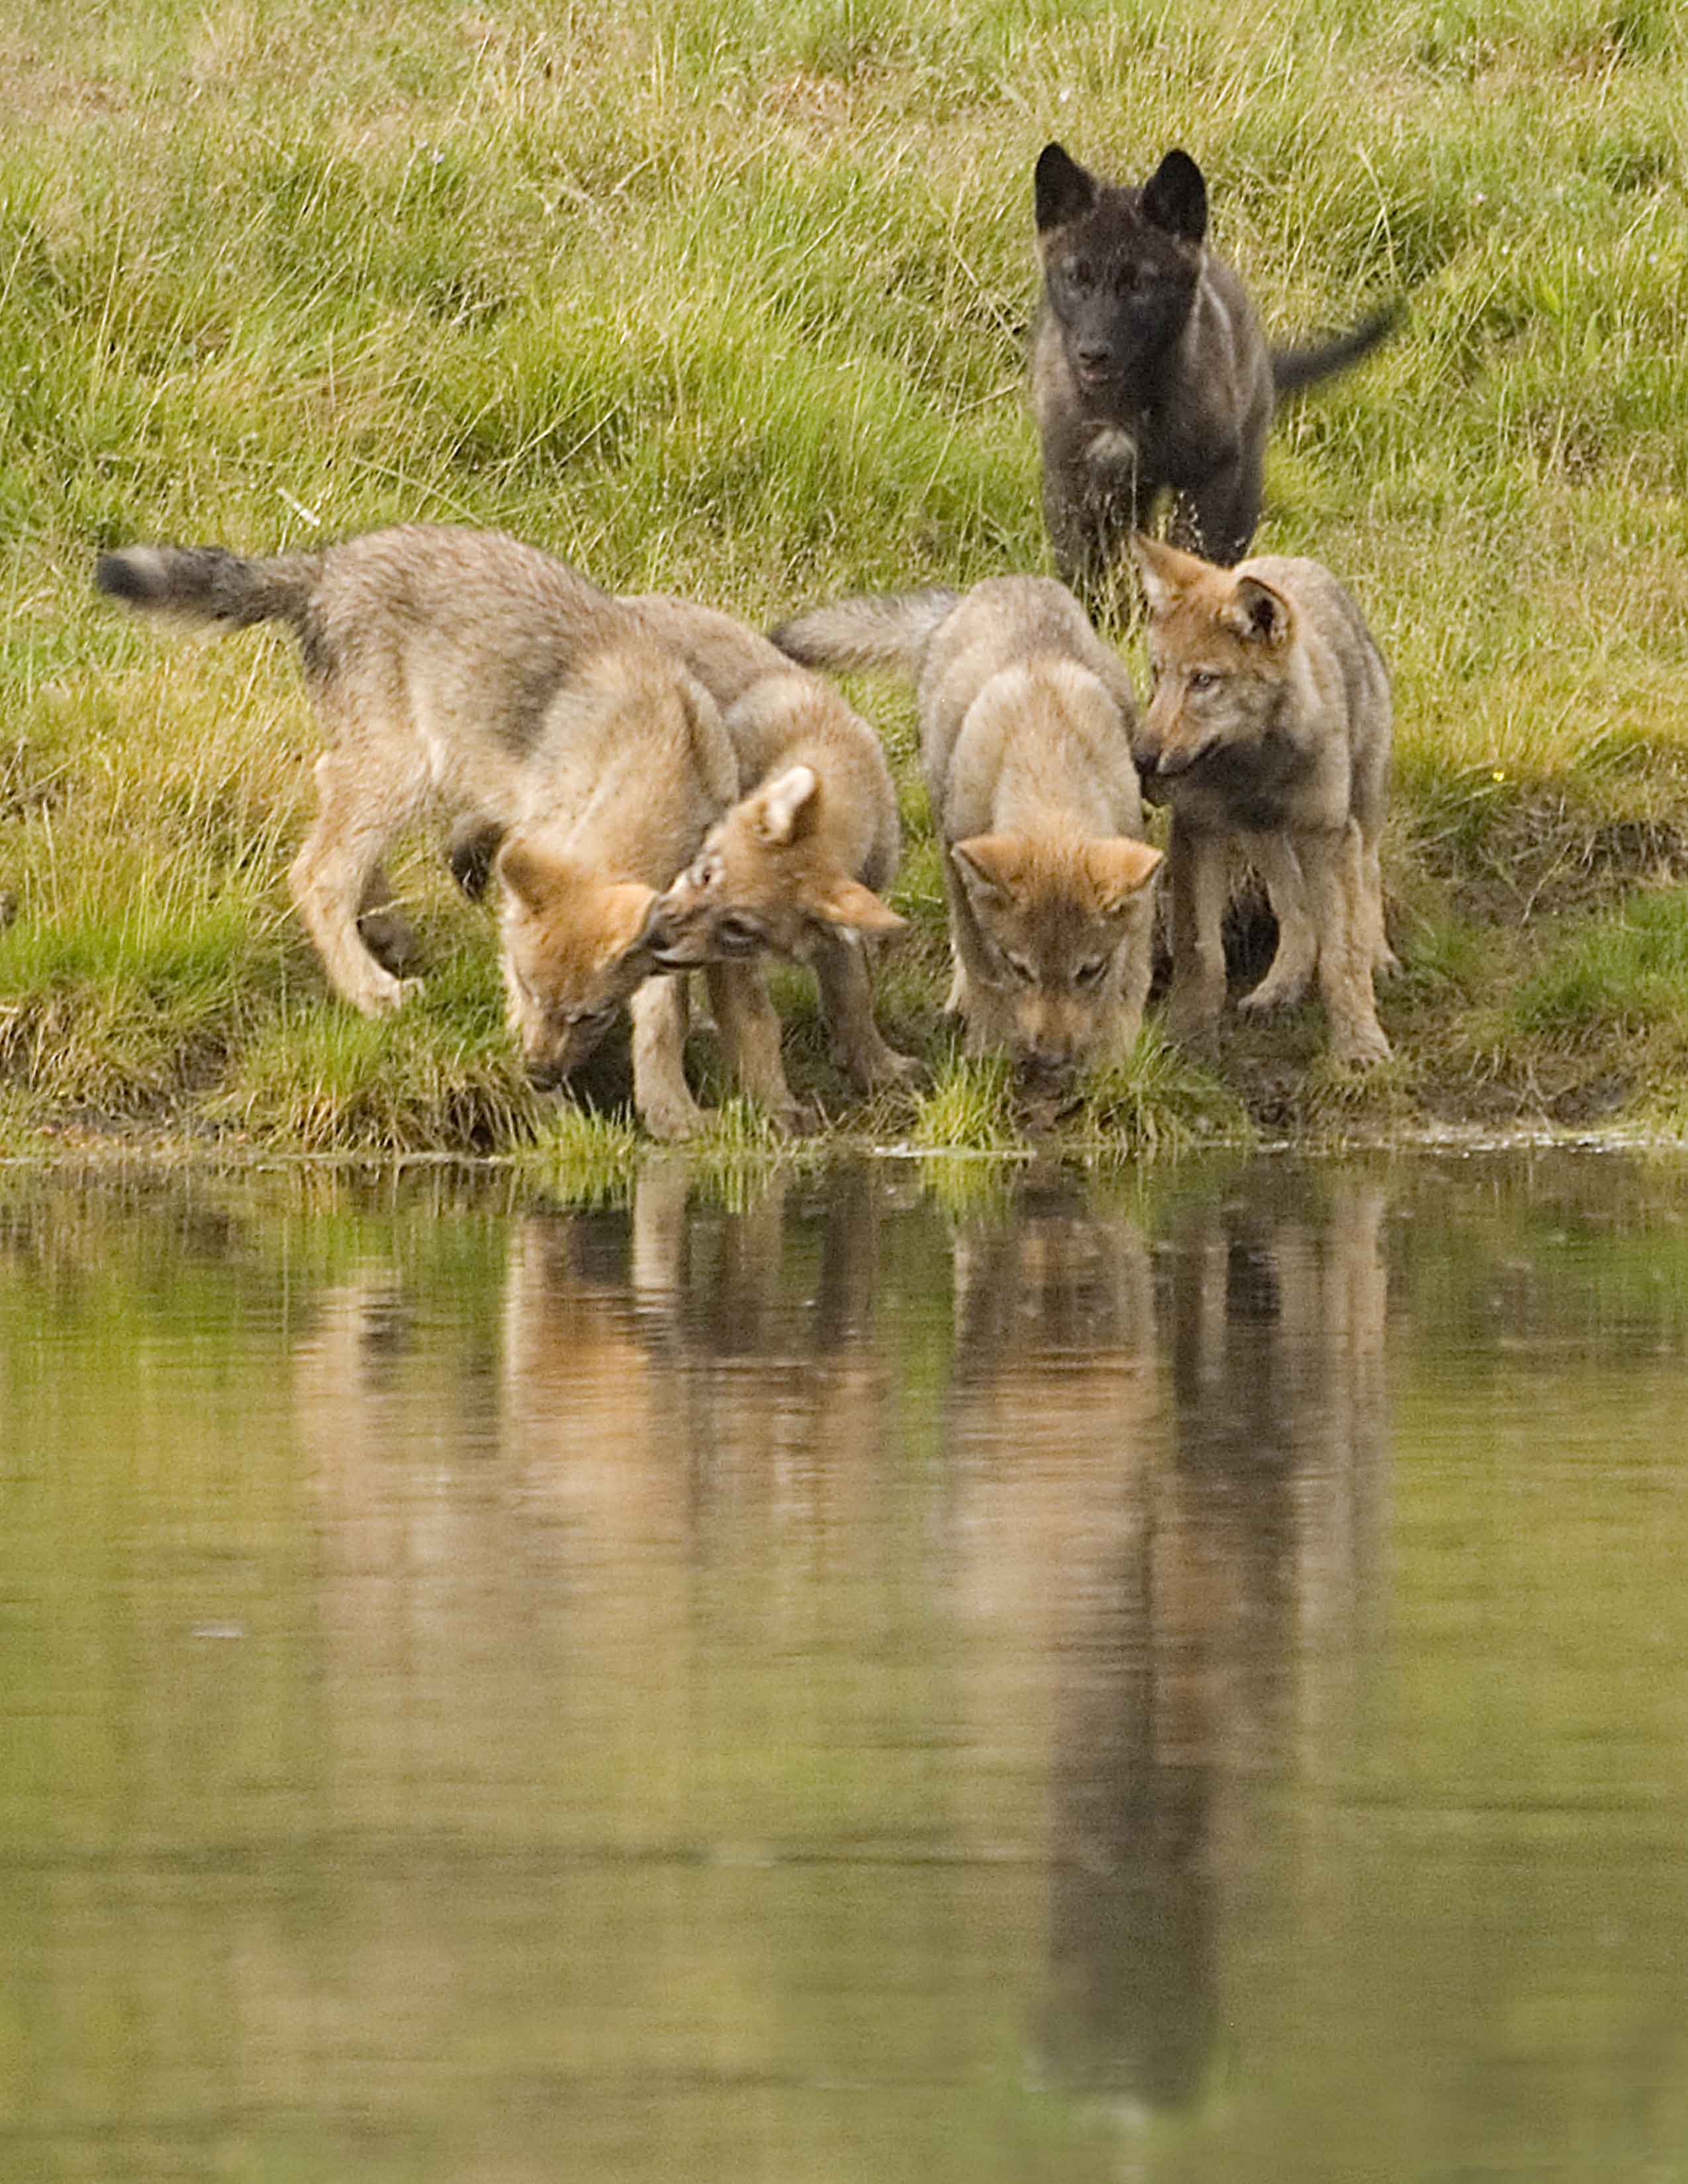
1150	370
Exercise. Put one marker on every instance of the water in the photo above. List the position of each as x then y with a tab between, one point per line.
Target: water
896	1677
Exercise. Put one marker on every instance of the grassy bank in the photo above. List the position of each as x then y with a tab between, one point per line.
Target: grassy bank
732	301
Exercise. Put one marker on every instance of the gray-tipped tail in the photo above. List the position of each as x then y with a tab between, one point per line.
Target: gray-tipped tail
887	629
208	583
1293	369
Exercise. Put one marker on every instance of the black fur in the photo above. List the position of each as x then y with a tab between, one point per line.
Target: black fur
471	852
1150	374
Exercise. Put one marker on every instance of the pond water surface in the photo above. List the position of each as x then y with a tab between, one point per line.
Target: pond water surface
911	1675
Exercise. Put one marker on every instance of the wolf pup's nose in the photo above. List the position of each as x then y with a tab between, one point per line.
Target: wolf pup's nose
1047	1063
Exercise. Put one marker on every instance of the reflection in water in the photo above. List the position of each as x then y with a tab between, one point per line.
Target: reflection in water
1259	1548
810	1685
1178	1541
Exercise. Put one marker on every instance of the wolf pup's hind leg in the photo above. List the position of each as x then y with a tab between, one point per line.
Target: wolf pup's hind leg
331	875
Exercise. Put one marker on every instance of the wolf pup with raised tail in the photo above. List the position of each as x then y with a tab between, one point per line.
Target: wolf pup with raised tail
1149	371
1268	728
462	673
1025	721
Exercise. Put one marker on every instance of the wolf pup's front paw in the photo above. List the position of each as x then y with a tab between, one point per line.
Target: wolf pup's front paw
384	994
1274	993
1361	1045
672	1122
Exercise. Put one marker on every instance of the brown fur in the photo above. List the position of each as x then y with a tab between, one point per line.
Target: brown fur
462	673
1025	743
1268	725
793	868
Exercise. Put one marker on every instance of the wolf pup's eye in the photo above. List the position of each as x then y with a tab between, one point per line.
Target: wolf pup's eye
1021	969
1091	972
1203	678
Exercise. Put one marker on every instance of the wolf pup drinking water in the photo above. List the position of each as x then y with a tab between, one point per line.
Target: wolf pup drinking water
1268	725
1025	719
1150	370
461	671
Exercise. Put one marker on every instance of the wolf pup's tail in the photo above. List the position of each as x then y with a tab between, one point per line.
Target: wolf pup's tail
208	583
887	629
1293	369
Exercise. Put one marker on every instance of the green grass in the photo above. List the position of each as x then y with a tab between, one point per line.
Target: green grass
965	1109
733	303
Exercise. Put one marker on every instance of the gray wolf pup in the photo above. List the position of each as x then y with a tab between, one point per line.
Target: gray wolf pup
1150	370
462	673
1025	721
793	867
1268	725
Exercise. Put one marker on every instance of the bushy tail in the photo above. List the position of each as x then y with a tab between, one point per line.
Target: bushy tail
1293	369
208	583
889	629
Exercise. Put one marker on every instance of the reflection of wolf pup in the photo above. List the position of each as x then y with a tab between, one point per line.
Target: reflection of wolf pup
460	670
1268	722
1150	370
792	868
1025	741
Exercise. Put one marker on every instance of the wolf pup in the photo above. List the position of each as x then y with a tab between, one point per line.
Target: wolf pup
1150	370
462	671
792	868
1268	725
1025	720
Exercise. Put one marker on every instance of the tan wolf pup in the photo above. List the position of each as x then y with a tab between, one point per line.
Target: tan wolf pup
461	671
792	868
1268	725
1025	727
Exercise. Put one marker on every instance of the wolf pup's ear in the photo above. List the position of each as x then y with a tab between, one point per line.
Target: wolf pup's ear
790	805
1062	190
1165	571
992	866
1257	612
633	916
859	910
532	876
1120	869
1175	198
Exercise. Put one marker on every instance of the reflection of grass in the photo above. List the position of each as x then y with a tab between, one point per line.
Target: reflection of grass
971	1185
733	1156
732	304
586	1160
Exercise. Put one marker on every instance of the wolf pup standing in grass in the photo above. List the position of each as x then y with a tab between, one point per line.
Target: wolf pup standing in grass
1150	370
1268	725
1025	719
461	671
